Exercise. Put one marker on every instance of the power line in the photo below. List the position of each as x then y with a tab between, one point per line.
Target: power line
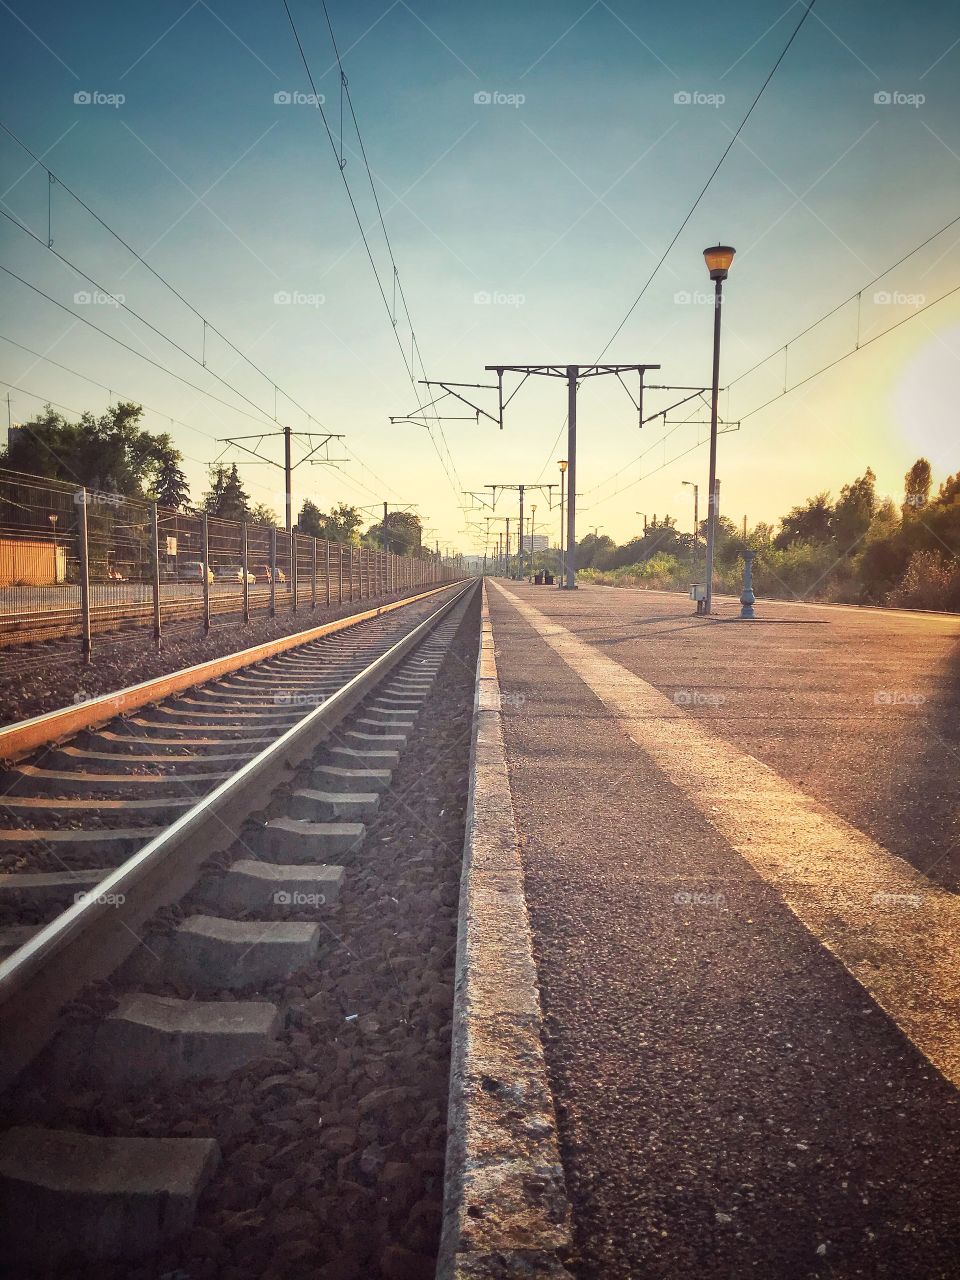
790	342
693	208
846	302
408	364
716	170
877	336
119	341
110	391
121	303
780	395
207	323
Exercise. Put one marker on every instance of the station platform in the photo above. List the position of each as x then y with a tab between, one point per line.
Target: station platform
750	990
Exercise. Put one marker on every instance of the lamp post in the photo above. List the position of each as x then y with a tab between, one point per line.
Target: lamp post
56	568
644	514
696	521
533	518
562	464
718	260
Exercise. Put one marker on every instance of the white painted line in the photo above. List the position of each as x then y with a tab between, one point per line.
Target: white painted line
895	931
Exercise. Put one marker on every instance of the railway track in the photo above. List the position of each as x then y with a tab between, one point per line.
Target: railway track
200	845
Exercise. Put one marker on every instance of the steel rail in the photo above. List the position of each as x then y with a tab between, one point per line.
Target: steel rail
26	735
33	990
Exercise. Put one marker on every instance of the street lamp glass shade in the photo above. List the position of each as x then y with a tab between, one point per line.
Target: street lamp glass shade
562	465
718	259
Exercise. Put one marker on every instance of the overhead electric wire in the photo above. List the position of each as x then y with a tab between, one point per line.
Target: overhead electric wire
119	302
54	177
782	347
208	324
35	395
408	365
780	395
846	302
345	89
110	391
693	208
106	333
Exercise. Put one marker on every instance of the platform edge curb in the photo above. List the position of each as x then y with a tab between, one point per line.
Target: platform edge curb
506	1211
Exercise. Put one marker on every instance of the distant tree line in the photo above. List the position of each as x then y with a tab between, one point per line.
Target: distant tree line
113	454
860	548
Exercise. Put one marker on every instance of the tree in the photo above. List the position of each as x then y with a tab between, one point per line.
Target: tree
592	550
854	512
811	522
949	491
342	523
661	537
170	487
111	453
404	533
311	520
226	498
916	487
262	514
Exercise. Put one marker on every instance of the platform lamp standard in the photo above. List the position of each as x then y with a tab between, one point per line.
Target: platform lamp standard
533	518
562	464
56	567
718	260
696	522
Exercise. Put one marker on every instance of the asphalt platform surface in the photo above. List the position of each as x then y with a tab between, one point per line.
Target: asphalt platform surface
732	1102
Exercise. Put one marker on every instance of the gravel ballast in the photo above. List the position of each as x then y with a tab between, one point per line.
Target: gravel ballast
43	677
333	1147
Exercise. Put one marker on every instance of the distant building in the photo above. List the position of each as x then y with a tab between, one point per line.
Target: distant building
541	542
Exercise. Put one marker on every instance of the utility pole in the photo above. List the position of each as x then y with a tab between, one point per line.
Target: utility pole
288	479
288	466
696	522
573	374
521	489
562	464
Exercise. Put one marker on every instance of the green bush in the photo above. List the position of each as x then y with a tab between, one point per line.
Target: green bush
932	581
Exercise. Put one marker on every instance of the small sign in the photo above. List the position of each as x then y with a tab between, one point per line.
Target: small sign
171	546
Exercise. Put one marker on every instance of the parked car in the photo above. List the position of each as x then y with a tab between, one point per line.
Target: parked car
262	573
192	571
231	573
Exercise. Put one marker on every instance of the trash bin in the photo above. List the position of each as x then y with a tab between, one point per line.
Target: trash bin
548	579
538	579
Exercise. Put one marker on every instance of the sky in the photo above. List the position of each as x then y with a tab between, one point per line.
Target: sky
531	162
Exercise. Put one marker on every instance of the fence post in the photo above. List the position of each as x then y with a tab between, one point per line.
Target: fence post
245	569
339	573
205	573
294	584
273	573
155	530
313	566
86	644
326	560
351	573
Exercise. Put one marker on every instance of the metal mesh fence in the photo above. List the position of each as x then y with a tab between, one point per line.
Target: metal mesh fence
81	565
